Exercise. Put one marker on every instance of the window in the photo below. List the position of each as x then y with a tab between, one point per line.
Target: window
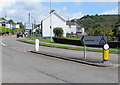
69	26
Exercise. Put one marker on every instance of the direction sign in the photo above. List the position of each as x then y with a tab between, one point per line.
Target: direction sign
28	26
94	40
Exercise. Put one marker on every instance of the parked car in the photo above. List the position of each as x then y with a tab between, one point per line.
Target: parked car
20	34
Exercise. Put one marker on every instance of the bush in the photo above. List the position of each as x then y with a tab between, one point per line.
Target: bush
58	32
79	43
4	30
16	30
67	41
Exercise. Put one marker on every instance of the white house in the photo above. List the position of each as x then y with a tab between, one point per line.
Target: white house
15	26
73	27
58	21
6	24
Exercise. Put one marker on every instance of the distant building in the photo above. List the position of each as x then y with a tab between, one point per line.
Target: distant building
74	27
15	26
118	31
58	21
6	24
29	26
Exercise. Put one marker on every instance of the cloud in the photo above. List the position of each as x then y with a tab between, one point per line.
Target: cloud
19	11
65	14
77	3
73	15
4	3
11	11
64	8
113	11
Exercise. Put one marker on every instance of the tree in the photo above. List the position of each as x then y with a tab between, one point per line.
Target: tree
4	30
11	21
100	24
21	25
16	30
2	18
58	31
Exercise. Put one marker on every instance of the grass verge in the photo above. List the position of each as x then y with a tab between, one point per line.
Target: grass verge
43	39
68	47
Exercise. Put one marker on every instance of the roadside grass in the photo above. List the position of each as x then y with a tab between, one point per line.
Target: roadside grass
47	39
112	50
43	39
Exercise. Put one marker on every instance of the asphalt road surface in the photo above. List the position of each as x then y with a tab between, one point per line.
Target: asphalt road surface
21	66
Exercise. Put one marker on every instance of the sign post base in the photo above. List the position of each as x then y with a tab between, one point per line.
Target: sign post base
104	61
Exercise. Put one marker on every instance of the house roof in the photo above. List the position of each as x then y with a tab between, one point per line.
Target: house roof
56	15
3	21
117	25
70	23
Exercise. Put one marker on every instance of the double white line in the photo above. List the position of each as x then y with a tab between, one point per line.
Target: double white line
3	43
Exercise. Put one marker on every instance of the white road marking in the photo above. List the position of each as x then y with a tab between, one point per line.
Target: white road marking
19	49
16	48
3	43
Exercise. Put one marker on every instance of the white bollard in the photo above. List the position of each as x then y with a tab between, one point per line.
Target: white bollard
36	45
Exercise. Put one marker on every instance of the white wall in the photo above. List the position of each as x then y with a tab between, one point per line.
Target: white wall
17	26
72	29
56	22
82	30
0	24
12	26
7	26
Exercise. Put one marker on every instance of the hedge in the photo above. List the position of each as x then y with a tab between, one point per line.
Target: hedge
17	30
67	41
4	29
78	42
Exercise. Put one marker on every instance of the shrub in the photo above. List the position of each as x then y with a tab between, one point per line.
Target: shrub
4	29
79	43
58	32
16	30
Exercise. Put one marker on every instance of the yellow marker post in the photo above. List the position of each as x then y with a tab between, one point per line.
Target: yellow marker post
105	53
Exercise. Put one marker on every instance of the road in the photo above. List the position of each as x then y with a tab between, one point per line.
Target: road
21	66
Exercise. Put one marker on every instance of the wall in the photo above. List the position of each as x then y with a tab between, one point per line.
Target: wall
0	24
81	30
72	29
56	22
8	26
17	26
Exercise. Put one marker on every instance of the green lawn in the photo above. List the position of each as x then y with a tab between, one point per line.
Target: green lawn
43	39
48	39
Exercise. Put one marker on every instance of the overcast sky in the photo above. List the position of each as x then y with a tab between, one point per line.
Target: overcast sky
18	10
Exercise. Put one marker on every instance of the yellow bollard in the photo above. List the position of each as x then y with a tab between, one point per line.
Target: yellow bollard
105	55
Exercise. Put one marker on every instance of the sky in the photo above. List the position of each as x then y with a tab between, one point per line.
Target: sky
18	10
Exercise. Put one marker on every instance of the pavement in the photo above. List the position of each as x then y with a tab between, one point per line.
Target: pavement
92	58
89	61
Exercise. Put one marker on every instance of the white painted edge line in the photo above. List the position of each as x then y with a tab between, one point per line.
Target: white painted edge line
3	43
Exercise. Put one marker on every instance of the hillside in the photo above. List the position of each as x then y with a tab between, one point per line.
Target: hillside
99	24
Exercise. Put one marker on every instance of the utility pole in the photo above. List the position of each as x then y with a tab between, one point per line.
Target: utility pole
50	21
5	16
29	18
34	23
